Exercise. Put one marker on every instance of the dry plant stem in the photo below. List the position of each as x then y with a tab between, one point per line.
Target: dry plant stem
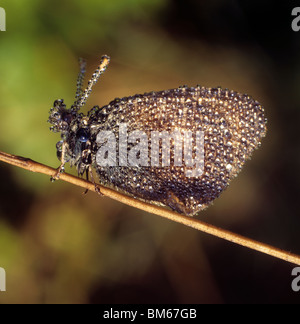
33	166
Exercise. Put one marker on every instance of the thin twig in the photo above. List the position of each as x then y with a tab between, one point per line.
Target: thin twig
33	166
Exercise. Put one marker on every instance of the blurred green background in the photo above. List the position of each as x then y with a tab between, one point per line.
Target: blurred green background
60	246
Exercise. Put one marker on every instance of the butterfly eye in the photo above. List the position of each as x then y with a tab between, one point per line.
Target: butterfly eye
67	117
83	135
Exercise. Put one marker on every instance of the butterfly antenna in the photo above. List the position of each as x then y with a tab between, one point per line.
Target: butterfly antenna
80	79
83	95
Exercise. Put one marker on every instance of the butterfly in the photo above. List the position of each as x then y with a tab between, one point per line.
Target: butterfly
178	148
